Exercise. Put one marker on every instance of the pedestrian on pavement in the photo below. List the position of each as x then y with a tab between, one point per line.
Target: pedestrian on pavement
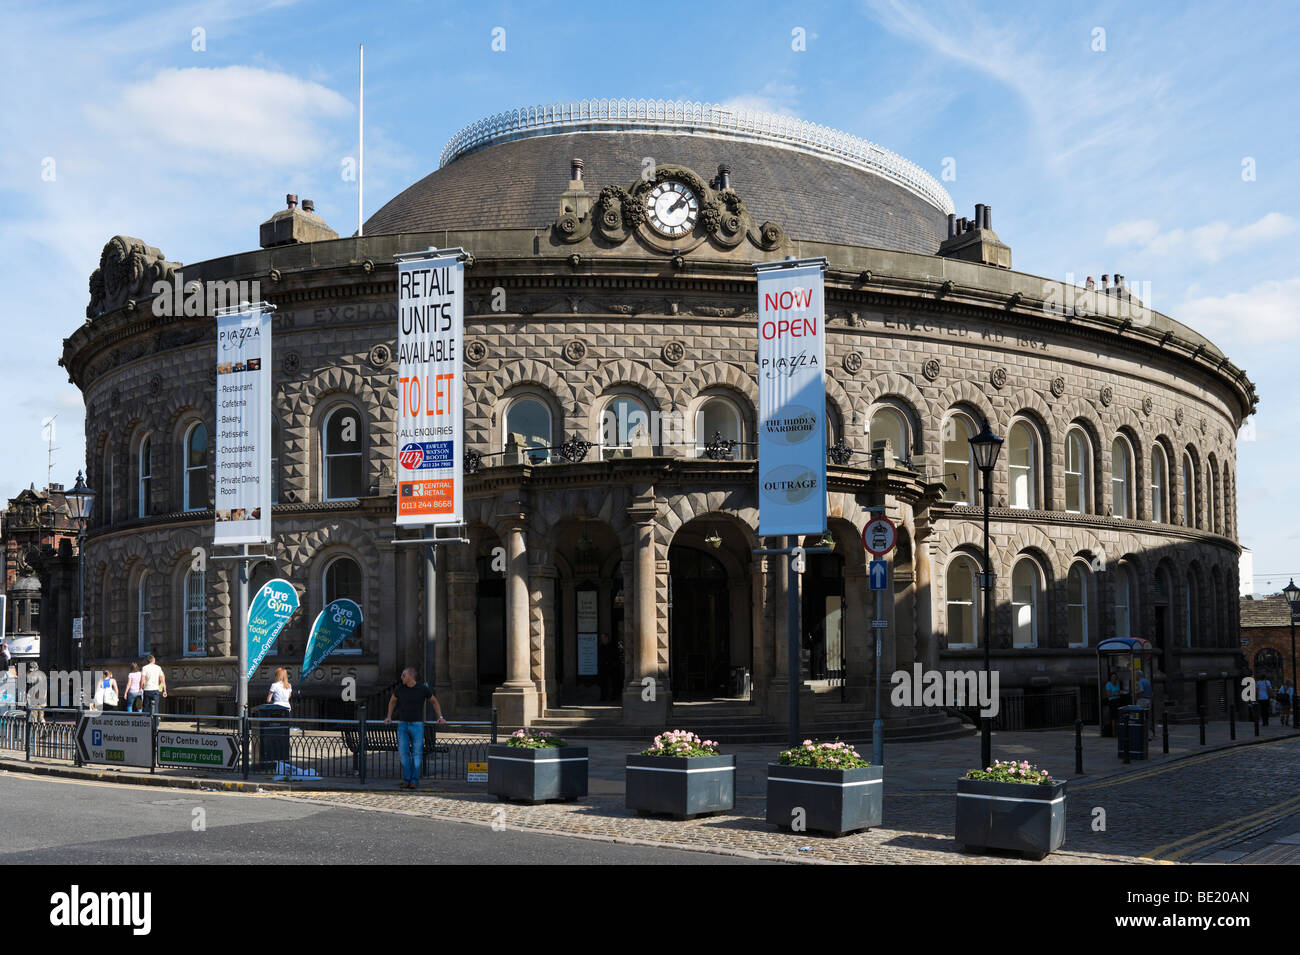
1284	704
281	691
1146	700
37	693
153	683
133	689
408	699
1263	692
106	692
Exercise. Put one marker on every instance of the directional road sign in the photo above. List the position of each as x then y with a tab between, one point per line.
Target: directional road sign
879	575
119	739
206	750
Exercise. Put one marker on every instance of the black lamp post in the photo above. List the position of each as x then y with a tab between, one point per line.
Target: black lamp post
985	448
80	499
1292	594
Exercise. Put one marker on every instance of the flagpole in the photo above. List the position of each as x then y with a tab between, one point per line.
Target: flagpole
361	135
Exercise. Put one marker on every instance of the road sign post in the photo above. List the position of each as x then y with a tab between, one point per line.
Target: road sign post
879	537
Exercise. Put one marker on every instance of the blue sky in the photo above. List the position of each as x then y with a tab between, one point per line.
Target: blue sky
1127	158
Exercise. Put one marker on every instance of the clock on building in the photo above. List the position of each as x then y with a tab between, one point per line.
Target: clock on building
673	209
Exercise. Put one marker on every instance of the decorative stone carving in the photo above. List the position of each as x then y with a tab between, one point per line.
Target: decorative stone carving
291	364
998	377
1058	386
127	271
1204	426
1147	405
1107	395
931	369
1178	416
380	355
853	362
770	235
475	352
155	384
673	352
575	350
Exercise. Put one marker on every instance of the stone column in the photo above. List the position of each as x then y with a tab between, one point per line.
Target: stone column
779	685
645	626
517	700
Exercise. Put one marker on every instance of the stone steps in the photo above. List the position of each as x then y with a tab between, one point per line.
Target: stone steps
910	728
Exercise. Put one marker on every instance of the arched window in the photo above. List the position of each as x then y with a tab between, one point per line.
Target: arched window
624	423
1192	598
1078	472
717	416
144	472
1076	601
1211	499
108	484
958	463
341	454
1026	587
530	419
1189	491
342	578
888	424
195	614
963	603
142	612
1124	591
1121	476
1159	485
196	467
1022	465
834	425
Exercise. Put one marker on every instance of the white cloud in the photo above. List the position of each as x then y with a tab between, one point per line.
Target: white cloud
1209	242
235	111
1262	315
774	97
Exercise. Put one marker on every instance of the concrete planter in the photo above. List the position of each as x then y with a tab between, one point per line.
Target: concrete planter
537	775
683	786
835	801
1015	816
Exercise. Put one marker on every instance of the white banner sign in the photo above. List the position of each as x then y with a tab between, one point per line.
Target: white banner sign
791	399
243	428
430	421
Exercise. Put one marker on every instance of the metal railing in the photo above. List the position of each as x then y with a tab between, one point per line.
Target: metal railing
287	747
1031	711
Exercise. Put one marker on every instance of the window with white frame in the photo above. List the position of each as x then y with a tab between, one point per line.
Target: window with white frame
1189	491
1121	475
888	424
1159	485
195	614
718	416
196	467
342	578
624	423
1123	601
341	456
144	472
1078	472
142	614
958	458
963	602
1211	499
528	421
1022	462
1026	587
1076	602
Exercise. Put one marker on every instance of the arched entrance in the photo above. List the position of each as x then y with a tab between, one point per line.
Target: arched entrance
700	633
590	662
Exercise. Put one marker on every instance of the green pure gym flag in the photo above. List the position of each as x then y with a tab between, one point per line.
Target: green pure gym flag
333	625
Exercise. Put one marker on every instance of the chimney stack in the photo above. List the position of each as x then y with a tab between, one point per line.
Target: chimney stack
724	176
979	215
291	200
575	168
952	225
308	205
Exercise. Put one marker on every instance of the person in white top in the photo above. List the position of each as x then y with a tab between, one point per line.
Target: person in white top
281	691
154	684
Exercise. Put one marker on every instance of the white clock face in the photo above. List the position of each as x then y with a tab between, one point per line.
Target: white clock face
673	209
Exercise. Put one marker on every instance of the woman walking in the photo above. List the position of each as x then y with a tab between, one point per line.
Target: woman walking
281	691
133	689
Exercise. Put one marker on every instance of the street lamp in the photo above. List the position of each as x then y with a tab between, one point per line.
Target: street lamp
985	447
79	499
1292	594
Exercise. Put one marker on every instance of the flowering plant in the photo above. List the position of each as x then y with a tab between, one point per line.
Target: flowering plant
529	738
835	755
680	743
1012	772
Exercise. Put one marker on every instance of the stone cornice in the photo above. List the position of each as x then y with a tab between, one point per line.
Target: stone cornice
1006	515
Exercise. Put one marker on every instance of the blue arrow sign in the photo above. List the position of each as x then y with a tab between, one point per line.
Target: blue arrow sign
271	609
879	575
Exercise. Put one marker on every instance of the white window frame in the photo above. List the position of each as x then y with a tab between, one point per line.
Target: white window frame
702	438
1159	484
607	408
533	453
1034	607
1083	474
969	430
187	468
1085	579
1189	490
976	620
1211	486
904	429
194	610
1120	485
144	472
143	612
1028	471
326	455
1123	607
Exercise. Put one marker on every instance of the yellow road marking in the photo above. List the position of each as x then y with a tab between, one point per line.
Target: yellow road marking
1174	765
1222	831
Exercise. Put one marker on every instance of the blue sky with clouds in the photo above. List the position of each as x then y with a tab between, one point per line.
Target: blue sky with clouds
1124	159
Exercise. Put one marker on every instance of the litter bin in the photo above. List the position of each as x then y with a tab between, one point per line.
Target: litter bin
272	733
1133	737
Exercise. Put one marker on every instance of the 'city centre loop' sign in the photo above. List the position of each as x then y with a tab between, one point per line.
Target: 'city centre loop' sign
430	381
791	398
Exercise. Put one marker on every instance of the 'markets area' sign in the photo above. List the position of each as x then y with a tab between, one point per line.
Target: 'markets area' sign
791	398
430	423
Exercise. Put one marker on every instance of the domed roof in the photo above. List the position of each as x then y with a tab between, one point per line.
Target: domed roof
508	172
29	586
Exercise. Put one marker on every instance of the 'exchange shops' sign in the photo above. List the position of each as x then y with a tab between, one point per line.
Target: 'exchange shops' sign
430	419
791	398
243	498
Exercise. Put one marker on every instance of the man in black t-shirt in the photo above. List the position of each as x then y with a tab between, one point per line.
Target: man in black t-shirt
408	698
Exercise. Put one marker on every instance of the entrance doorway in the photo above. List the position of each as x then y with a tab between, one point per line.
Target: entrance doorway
491	629
700	634
823	618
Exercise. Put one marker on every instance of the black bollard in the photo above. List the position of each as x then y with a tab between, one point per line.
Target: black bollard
1078	747
1164	720
1254	715
1201	713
